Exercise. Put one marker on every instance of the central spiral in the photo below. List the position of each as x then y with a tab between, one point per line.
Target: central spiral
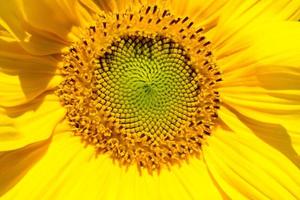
148	84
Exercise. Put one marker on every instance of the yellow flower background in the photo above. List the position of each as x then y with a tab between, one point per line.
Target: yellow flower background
252	153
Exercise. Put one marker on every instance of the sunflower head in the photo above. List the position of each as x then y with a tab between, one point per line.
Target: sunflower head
113	99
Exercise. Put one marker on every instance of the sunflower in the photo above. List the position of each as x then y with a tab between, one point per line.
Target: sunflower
111	99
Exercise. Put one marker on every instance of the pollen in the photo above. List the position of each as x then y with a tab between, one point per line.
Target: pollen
141	86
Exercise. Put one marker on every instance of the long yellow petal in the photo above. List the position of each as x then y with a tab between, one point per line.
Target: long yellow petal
15	164
264	87
260	48
116	5
241	160
23	76
29	123
45	27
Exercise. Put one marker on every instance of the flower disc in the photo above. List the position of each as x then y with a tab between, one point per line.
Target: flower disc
145	96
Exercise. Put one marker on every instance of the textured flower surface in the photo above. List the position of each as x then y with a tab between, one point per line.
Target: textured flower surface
112	99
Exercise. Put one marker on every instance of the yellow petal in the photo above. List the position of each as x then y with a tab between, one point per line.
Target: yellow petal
115	5
78	174
276	123
23	76
29	123
289	9
274	102
43	27
268	50
250	24
242	163
264	87
15	164
293	131
23	88
57	17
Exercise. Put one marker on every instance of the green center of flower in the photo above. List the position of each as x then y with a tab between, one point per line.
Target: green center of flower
148	84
